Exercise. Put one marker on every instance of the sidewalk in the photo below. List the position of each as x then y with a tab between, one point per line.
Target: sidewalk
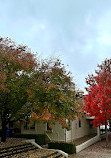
97	150
83	139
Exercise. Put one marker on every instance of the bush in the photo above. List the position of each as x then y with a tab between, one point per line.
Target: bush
66	147
39	138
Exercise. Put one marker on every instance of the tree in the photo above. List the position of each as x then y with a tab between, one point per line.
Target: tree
98	99
52	94
45	86
16	63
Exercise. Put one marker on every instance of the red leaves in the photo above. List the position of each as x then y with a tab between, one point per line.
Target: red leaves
98	100
45	116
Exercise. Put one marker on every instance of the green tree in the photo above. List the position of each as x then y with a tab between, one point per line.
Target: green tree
52	94
16	63
46	86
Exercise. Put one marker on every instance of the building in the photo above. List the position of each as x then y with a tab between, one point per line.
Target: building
79	128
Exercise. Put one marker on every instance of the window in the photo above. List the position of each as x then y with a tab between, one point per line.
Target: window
79	123
32	126
27	125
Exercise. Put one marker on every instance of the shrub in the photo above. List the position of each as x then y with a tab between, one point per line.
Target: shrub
66	147
39	138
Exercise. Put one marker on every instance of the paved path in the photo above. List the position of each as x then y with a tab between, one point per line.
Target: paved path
83	139
98	150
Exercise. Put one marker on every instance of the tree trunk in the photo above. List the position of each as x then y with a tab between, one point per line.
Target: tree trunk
3	138
110	126
106	136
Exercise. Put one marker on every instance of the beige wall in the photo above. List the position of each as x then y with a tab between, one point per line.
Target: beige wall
85	128
57	133
60	134
39	129
68	135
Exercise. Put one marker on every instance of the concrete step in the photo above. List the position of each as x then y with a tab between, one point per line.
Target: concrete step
10	151
55	154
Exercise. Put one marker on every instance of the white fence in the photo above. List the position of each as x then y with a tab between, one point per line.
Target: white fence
87	143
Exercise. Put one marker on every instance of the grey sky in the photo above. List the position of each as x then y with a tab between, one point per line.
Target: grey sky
78	31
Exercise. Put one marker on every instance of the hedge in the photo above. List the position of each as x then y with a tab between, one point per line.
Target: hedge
39	138
69	148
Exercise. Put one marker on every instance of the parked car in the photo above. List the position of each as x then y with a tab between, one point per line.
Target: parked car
102	129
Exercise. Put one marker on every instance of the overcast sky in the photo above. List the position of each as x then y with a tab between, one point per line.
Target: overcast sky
76	31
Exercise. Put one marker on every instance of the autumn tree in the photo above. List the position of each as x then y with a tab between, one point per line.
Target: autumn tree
52	94
16	63
45	86
98	99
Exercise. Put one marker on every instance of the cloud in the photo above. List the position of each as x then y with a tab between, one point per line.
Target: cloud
77	31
